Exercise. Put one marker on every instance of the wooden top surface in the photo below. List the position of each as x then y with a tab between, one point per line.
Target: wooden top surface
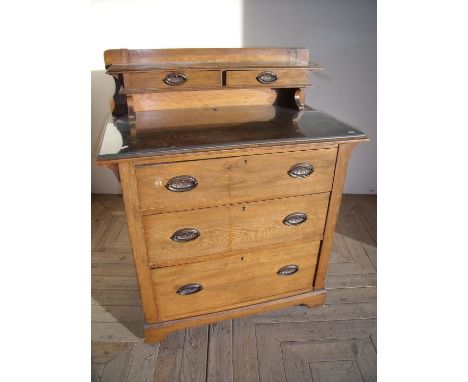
192	130
118	60
121	68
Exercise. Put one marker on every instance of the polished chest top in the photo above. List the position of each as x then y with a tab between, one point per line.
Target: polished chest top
231	183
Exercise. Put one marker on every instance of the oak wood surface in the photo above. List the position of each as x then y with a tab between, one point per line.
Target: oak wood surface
233	180
135	227
286	77
204	118
284	56
159	331
135	68
155	79
232	228
344	153
234	281
203	98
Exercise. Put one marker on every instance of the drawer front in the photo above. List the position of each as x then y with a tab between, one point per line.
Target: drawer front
234	180
185	236
246	278
161	79
267	77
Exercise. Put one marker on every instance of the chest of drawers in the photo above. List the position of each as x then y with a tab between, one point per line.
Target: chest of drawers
231	184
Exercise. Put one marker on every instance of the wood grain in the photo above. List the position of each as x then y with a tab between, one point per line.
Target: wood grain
204	118
143	363
344	153
234	281
286	77
135	227
234	180
154	80
232	228
159	331
289	56
220	366
202	98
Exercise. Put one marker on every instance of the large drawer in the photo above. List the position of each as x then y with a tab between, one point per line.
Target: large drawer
186	236
269	78
234	281
222	181
161	79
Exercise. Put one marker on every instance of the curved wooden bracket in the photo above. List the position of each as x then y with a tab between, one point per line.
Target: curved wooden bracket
120	100
130	109
292	98
299	98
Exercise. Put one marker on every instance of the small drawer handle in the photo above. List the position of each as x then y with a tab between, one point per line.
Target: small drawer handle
175	79
185	234
295	219
189	289
301	170
287	270
181	183
267	77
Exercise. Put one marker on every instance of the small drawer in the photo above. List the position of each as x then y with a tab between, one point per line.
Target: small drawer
213	182
245	278
267	77
188	236
160	79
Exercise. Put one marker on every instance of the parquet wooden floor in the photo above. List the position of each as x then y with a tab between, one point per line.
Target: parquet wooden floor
335	342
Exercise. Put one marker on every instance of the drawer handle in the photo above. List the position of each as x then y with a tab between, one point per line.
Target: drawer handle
175	79
267	77
181	183
301	170
295	219
189	289
185	234
287	270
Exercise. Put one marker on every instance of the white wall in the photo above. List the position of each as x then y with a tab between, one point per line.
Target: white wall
340	34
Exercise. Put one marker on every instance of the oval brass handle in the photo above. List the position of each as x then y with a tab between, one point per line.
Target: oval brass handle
301	170
295	219
189	289
175	79
287	270
267	77
185	234
181	183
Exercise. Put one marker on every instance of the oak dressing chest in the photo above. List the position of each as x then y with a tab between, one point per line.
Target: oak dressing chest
231	184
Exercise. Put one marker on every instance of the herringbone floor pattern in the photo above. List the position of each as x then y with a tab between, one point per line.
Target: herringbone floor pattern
335	342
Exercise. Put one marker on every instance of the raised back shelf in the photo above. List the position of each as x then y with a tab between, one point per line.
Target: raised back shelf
142	75
254	56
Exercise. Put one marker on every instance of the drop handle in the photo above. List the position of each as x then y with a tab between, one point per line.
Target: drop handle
287	270
185	234
189	289
301	170
295	218
181	183
267	77
175	79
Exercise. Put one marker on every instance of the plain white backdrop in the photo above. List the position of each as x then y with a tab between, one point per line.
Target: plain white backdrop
46	183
